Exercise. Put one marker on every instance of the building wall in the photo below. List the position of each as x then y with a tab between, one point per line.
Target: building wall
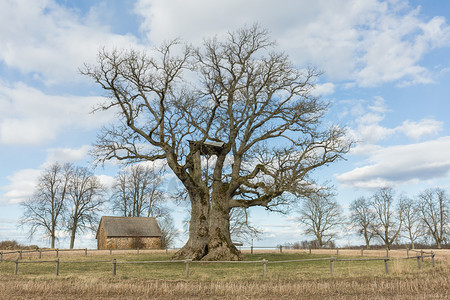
132	243
101	238
104	242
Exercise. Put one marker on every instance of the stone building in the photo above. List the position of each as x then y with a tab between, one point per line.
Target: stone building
128	233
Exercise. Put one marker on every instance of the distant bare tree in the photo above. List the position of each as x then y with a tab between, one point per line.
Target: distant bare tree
322	216
412	223
45	209
85	199
120	199
388	221
363	218
168	230
434	209
137	192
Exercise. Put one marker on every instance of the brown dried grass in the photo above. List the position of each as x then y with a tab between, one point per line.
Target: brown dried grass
427	285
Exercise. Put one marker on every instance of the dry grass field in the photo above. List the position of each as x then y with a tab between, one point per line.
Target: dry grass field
292	280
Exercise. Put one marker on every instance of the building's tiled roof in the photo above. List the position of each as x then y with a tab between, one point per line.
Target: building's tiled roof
130	226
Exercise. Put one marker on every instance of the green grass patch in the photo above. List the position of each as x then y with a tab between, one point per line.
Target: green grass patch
252	269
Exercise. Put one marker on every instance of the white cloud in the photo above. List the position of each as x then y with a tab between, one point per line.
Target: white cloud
23	182
106	180
370	42
66	155
417	130
21	186
46	39
367	129
30	117
324	89
402	164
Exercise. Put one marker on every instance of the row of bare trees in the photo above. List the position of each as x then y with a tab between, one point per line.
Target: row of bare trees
382	217
70	198
426	215
66	198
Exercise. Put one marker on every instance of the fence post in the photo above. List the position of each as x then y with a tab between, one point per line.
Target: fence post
386	265
337	252
1	256
331	266
421	254
362	251
309	250
251	250
432	258
57	252
16	269
281	249
57	267
85	251
40	253
138	251
264	262
407	252
114	267
187	267
20	254
418	261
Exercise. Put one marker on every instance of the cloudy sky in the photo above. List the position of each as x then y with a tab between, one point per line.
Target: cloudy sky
386	71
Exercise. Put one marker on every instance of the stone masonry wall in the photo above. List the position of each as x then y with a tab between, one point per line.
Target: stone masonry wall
133	242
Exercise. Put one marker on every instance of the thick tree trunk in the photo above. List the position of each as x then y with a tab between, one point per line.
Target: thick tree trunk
72	237
319	241
197	245
366	237
53	237
209	227
220	246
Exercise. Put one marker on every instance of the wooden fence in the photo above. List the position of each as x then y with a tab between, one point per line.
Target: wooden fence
420	255
253	249
58	252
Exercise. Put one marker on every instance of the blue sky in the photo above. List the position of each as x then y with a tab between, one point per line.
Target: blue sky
386	71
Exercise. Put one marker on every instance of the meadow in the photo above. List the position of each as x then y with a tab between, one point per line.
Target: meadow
82	278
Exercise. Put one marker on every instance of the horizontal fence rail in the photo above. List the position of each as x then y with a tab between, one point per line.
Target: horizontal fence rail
420	256
58	252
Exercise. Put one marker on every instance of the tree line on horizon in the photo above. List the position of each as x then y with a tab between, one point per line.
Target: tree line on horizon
70	198
382	217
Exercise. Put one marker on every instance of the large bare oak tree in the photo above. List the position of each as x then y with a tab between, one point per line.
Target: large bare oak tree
236	99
